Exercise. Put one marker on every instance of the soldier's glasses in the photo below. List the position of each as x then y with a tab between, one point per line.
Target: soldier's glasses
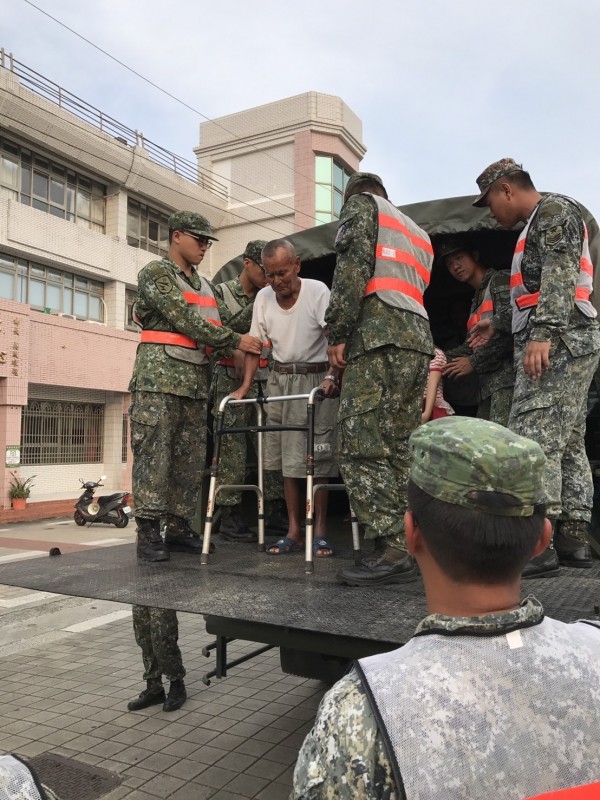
202	239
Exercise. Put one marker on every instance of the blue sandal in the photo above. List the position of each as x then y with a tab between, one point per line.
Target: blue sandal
284	547
322	544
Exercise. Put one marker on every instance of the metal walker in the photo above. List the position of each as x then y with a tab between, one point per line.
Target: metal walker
311	488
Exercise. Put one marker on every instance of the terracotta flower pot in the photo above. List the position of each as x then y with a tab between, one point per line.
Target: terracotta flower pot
19	503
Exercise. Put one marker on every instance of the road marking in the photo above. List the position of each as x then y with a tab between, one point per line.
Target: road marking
23	556
54	524
13	602
98	621
111	541
3	530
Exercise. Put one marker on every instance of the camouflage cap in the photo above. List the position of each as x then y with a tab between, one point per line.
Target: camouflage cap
362	176
192	222
457	458
491	174
451	244
254	249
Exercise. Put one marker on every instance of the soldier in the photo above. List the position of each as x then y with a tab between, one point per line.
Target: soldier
493	363
379	331
179	317
557	346
467	709
180	321
238	296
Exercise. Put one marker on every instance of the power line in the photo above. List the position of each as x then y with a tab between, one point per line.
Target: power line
161	89
201	171
150	180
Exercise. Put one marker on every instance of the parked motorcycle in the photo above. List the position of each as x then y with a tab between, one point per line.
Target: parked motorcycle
111	510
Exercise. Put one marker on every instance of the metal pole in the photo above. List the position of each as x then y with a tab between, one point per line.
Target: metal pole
261	487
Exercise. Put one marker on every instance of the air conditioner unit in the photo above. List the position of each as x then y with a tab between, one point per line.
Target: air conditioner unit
68	316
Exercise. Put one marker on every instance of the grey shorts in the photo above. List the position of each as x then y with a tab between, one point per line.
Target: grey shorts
286	450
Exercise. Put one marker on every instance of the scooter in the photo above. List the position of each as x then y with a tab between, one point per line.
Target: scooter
111	510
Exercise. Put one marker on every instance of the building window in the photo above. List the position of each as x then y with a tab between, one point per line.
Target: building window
331	178
51	290
58	432
130	298
147	228
43	184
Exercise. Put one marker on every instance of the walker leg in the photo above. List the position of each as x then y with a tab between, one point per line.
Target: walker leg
309	535
208	522
355	538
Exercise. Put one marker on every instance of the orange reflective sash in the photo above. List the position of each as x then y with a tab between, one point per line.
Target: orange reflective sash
484	308
590	791
394	285
402	257
262	362
531	300
164	337
199	300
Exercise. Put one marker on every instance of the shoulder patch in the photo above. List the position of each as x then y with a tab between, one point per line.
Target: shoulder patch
554	235
340	232
164	284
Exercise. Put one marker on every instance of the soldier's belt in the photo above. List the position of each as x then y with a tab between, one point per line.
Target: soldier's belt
301	368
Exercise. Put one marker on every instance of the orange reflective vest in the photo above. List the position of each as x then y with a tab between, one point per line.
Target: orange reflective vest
179	345
485	310
523	300
403	259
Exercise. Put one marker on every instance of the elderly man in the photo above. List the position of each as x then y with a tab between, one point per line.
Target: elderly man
481	702
557	346
378	327
290	313
493	363
237	296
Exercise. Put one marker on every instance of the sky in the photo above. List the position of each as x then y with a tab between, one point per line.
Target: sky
443	87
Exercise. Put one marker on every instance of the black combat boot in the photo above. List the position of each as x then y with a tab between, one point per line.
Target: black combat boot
180	538
276	517
176	697
153	694
233	528
570	541
150	546
545	565
381	568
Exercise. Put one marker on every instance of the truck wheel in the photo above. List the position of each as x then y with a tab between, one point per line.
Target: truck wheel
79	518
123	519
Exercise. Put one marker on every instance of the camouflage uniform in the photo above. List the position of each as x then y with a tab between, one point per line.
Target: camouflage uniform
458	460
388	353
234	452
156	632
345	756
493	362
552	410
169	398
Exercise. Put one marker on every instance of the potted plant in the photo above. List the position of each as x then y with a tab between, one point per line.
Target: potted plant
19	490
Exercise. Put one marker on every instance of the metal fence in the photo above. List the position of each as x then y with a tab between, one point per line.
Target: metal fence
107	124
57	432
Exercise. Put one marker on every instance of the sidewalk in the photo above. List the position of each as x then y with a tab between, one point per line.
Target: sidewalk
65	692
237	738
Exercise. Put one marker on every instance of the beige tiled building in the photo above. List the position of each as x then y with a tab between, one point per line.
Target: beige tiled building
84	202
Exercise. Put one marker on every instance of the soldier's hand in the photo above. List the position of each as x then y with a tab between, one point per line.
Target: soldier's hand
458	367
250	344
335	354
536	359
330	388
480	333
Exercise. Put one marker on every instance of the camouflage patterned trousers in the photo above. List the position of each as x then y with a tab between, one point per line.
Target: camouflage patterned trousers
552	412
496	407
233	455
156	632
168	440
380	406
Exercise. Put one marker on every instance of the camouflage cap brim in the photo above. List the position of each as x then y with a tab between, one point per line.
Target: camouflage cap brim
491	174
